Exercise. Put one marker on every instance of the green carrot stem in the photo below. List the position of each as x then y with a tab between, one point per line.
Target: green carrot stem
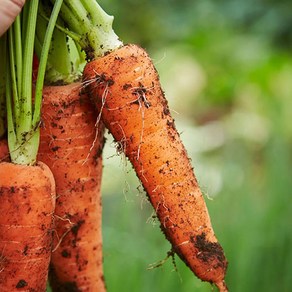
12	70
23	116
64	61
26	89
10	123
66	13
2	85
43	62
78	11
24	14
18	51
94	26
19	90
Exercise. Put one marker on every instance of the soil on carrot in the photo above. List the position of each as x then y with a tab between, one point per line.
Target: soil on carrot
89	51
208	250
21	284
76	227
66	253
57	285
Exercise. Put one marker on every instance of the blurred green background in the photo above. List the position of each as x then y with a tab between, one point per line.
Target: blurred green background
226	68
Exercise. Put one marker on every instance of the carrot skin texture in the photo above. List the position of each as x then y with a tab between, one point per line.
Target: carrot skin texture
27	200
68	147
125	87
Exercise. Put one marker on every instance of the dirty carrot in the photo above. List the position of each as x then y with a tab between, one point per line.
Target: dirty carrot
27	188
70	147
27	198
125	87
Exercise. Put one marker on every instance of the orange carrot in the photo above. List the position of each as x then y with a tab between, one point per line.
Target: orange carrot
27	200
70	147
125	87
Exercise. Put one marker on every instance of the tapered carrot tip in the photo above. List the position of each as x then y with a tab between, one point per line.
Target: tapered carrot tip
222	287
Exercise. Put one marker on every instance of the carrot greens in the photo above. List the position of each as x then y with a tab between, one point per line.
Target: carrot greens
23	109
65	59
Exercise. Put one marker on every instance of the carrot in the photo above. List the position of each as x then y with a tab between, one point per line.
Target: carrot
125	87
69	147
27	200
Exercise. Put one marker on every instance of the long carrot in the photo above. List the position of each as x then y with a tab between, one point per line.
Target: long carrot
125	87
27	201
70	147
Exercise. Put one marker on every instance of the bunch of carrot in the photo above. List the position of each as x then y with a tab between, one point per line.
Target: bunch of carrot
123	84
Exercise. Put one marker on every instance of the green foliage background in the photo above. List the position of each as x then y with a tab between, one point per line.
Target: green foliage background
226	68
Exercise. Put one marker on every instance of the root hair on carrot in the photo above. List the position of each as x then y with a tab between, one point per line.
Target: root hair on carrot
2	260
153	220
160	60
122	143
60	238
97	124
142	173
140	92
160	263
128	192
174	111
206	194
142	196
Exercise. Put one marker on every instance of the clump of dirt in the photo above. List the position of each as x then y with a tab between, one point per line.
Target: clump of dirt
21	284
208	251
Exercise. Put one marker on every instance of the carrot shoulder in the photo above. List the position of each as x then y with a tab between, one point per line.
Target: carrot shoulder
27	200
72	149
125	87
